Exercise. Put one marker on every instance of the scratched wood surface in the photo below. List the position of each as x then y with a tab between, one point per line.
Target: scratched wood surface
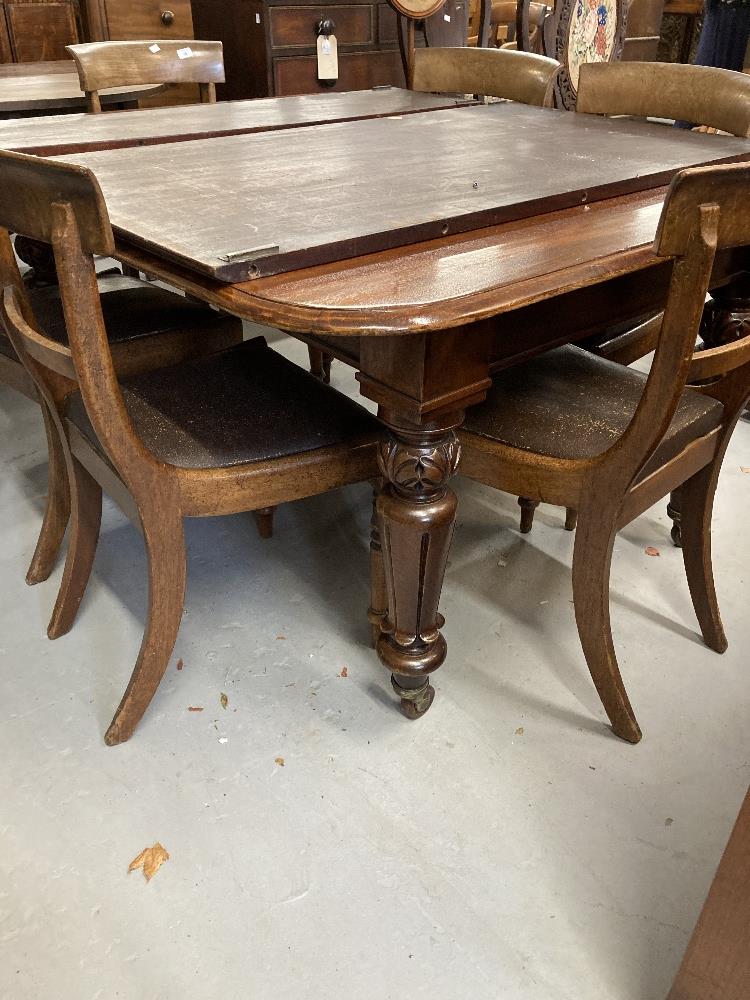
54	86
250	205
72	133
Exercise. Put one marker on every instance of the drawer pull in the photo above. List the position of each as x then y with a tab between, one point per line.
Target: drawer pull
167	17
326	26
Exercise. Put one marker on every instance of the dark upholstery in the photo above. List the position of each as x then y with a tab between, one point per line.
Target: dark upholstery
131	308
568	403
247	404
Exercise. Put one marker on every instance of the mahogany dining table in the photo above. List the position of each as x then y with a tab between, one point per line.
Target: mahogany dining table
425	250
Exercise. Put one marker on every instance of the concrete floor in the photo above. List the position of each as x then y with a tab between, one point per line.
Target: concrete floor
505	846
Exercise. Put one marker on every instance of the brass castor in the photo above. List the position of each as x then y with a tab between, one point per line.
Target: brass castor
414	701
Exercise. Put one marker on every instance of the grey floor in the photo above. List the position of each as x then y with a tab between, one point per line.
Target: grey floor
505	846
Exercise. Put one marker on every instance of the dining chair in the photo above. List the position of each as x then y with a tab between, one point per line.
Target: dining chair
576	34
717	98
503	17
581	431
148	326
240	430
116	64
516	76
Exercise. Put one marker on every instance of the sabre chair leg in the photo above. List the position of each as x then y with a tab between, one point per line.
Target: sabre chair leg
165	547
528	509
57	511
264	521
85	521
571	519
696	503
592	558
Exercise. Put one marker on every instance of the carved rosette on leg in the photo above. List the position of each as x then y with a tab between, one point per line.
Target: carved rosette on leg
416	512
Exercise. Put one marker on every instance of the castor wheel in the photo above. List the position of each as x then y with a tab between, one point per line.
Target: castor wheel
414	701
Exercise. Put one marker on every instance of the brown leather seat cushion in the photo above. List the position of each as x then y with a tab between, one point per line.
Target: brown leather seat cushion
131	309
246	404
568	403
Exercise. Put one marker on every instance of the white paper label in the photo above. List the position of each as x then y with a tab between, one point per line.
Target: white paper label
328	60
154	48
257	18
447	17
184	53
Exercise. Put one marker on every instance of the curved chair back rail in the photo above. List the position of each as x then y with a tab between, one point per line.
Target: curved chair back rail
517	76
719	98
131	63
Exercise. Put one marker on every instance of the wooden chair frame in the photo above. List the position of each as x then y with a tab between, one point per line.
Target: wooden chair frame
706	208
118	64
63	204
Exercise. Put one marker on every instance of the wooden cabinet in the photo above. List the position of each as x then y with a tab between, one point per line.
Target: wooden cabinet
270	45
126	19
37	30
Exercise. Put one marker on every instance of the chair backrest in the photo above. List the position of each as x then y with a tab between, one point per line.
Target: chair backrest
62	205
706	209
580	33
704	95
132	63
517	76
643	30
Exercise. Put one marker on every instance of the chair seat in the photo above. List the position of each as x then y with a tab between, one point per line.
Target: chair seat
570	404
131	308
246	404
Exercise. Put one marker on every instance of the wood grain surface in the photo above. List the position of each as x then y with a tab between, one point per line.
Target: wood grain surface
40	90
269	202
61	134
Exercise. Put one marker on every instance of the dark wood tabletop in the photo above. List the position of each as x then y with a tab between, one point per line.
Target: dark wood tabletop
77	133
269	202
53	86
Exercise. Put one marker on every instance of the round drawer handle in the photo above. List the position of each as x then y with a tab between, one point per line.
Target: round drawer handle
167	17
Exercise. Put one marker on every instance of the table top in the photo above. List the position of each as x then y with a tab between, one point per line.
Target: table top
53	86
271	202
73	133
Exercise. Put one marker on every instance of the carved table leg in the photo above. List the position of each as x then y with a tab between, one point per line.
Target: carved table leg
416	513
378	609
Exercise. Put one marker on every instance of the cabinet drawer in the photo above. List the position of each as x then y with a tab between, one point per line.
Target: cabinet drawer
295	27
39	32
357	71
149	19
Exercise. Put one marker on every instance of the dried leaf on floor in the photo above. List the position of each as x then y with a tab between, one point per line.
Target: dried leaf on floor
668	821
224	700
150	860
280	761
195	708
281	637
745	468
519	731
651	551
180	664
344	672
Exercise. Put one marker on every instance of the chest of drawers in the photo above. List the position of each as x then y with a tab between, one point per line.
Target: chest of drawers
270	45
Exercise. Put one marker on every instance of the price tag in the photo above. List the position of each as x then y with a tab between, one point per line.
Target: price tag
328	60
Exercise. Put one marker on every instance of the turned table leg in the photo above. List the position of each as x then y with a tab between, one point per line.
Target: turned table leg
416	512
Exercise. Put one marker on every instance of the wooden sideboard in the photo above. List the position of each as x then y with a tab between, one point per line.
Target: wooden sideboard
127	19
270	45
37	30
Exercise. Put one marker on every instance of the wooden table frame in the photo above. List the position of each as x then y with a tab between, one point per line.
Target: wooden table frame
427	353
425	326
